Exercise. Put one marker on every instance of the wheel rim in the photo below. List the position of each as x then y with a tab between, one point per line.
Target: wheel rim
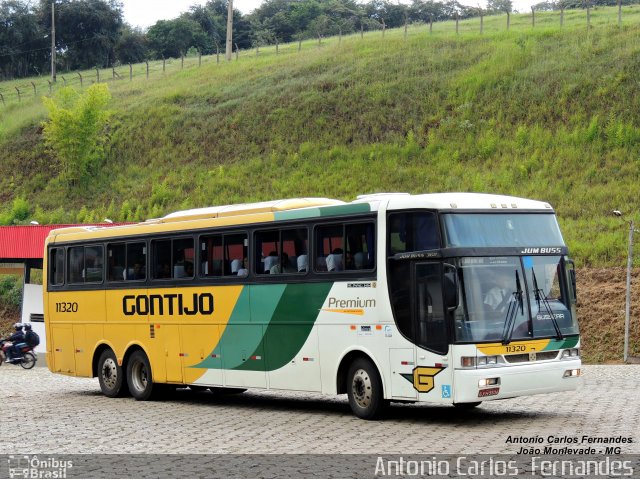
139	376
361	388
109	373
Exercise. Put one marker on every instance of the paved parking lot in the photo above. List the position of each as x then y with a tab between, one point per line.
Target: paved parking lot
68	415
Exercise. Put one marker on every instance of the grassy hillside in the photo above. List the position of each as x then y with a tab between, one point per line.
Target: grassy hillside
546	113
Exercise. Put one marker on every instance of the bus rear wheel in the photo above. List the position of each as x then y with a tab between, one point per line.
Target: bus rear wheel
364	388
110	374
139	376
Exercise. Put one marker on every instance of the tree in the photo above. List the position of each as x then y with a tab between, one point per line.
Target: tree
132	46
173	38
23	42
497	6
75	131
86	31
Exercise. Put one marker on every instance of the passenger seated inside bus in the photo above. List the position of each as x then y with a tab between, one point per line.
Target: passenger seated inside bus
334	260
270	261
283	267
303	263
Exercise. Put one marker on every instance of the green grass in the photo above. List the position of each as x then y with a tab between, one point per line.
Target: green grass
546	113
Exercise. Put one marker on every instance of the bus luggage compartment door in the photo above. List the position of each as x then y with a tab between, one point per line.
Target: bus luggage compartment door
402	363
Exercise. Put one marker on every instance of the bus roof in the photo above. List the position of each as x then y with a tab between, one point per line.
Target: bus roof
298	208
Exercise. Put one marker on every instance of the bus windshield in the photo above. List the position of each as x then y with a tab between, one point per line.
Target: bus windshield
513	298
501	229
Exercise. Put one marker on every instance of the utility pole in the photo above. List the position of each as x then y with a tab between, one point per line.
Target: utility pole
53	42
229	50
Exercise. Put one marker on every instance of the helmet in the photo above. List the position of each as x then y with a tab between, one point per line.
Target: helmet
27	326
18	326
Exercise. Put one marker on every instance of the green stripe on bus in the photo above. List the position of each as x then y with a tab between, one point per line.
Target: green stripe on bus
323	211
290	326
562	343
244	331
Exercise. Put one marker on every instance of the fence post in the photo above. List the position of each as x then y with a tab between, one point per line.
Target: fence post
147	62
561	16
257	49
384	27
457	20
533	17
2	98
19	97
430	24
164	64
130	72
199	58
361	32
80	75
237	52
217	54
277	51
299	44
588	14
620	13
35	93
113	73
405	25
49	81
181	61
508	20
339	35
481	22
64	80
97	75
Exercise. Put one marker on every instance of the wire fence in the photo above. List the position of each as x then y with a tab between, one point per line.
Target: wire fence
24	91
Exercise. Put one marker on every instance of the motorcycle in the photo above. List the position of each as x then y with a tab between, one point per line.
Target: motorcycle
28	359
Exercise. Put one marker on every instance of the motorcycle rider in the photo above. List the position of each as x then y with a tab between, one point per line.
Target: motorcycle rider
17	340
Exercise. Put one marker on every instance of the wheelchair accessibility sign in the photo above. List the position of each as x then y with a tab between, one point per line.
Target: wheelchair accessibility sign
446	391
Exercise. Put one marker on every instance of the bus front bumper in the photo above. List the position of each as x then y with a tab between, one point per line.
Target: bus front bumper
503	382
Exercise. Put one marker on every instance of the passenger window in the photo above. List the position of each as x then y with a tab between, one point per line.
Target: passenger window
173	258
127	262
224	255
85	264
345	247
56	266
417	231
282	251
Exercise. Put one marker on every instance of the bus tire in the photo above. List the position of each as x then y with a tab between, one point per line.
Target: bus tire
364	388
110	374
139	376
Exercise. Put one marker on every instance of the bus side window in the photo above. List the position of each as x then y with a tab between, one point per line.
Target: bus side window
417	231
56	266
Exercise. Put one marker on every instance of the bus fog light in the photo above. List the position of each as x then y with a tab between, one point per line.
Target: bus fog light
492	359
483	383
570	353
571	373
468	361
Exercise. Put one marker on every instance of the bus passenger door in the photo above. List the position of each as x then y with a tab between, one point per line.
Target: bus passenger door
433	374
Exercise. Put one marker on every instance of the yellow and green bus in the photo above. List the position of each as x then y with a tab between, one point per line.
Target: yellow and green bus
451	298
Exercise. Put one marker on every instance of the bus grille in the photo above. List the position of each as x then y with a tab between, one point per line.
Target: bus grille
525	358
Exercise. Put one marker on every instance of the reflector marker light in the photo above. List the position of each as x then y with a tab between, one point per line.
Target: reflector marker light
308	359
352	327
407	363
256	358
215	355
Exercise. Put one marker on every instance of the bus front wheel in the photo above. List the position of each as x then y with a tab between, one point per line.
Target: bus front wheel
110	374
139	376
364	388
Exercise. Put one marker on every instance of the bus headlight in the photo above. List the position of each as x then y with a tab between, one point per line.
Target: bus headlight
570	353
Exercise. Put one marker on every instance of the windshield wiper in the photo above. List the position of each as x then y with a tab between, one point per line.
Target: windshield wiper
512	310
542	298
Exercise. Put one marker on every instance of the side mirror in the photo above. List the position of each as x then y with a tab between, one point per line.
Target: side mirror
450	287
